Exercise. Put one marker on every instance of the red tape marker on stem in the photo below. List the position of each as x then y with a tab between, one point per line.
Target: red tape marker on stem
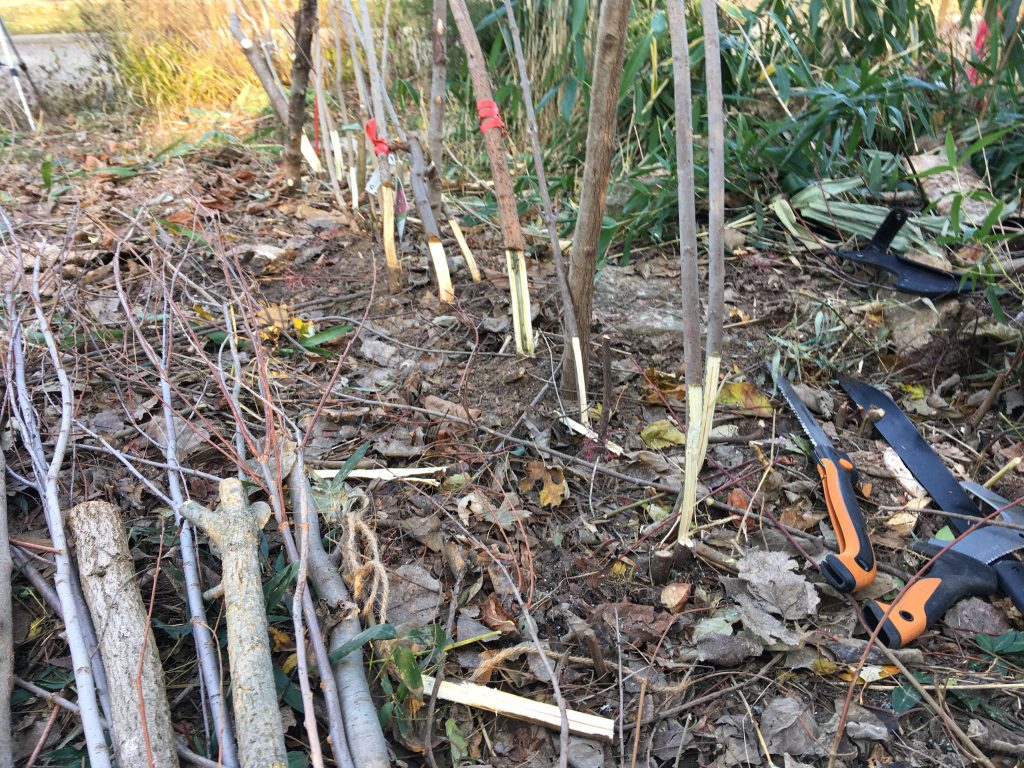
487	113
380	144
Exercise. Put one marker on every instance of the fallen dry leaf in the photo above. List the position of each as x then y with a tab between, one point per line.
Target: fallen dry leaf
662	434
638	623
675	596
771	578
745	398
448	408
413	598
554	489
494	616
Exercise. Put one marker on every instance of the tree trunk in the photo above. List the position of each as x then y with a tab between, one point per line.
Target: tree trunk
604	97
141	718
305	22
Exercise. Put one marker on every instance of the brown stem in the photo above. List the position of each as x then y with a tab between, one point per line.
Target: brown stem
716	180
993	393
278	101
604	98
438	88
305	23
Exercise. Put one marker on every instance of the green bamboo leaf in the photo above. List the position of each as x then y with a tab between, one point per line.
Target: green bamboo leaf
376	632
326	336
408	670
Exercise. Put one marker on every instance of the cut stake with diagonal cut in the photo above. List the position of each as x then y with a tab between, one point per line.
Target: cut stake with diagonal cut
702	376
569	323
493	131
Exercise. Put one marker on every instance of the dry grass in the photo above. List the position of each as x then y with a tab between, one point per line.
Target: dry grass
34	17
174	55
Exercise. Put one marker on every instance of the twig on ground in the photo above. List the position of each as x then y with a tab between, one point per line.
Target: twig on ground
301	514
206	647
57	700
46	474
6	637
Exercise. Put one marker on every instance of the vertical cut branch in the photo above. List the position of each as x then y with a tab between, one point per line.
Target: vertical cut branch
716	213
332	152
234	528
438	97
604	98
141	727
690	281
377	132
445	292
305	23
493	131
260	65
569	325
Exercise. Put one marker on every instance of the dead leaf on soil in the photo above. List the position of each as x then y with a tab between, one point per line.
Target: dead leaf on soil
902	523
554	489
477	505
413	599
662	434
861	723
494	616
675	596
189	436
738	741
745	398
638	623
666	386
819	401
976	615
789	727
762	624
448	408
771	577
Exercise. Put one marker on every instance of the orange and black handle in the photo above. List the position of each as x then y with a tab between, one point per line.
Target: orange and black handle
854	567
952	577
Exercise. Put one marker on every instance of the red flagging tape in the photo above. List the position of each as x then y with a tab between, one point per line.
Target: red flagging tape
487	112
380	144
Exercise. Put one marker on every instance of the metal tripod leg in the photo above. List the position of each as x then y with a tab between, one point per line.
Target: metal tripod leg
12	60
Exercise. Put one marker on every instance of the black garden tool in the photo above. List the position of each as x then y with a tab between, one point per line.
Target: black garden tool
910	277
978	564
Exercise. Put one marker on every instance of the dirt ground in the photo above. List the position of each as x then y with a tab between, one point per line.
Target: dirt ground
740	654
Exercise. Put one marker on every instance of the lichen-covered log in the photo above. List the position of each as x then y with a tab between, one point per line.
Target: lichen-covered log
234	527
141	728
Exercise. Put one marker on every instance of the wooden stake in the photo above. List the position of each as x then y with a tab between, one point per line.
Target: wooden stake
445	292
386	196
467	254
518	707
